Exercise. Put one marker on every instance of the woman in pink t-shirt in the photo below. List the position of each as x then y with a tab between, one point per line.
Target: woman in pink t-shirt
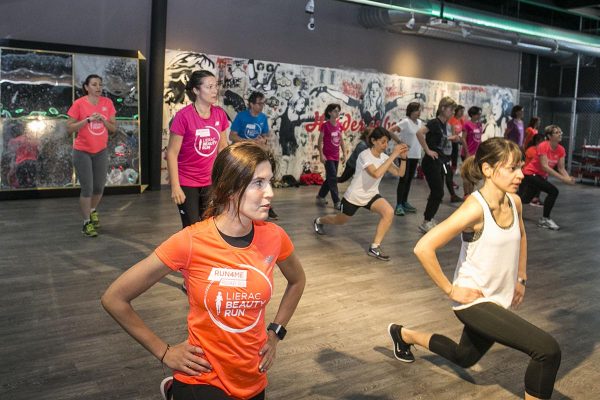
197	135
93	118
471	139
550	155
330	141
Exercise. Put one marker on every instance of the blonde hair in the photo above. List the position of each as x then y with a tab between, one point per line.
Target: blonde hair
444	103
494	151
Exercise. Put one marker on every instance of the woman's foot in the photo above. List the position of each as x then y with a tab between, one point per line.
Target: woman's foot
401	348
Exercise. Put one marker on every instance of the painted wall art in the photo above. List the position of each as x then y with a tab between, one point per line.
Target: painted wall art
296	97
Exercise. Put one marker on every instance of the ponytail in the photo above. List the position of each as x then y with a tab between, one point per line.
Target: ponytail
470	171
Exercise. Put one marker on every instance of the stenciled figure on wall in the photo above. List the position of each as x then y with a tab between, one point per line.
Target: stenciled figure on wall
262	78
496	113
177	72
372	105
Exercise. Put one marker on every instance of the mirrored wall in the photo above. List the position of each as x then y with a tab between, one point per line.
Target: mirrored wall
37	87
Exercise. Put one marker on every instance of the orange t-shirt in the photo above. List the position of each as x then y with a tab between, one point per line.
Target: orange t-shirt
93	137
228	290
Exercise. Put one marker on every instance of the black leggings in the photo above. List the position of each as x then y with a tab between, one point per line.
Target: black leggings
184	391
330	184
405	181
487	323
434	175
193	207
532	185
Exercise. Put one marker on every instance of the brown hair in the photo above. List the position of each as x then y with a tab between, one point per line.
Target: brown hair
195	80
494	151
232	172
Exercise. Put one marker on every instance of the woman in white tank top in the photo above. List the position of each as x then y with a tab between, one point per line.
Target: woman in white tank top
490	276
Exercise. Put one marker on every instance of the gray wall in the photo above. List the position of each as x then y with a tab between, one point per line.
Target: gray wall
276	30
264	29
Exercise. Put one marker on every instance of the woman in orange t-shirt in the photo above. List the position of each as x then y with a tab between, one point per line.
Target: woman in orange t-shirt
93	118
227	261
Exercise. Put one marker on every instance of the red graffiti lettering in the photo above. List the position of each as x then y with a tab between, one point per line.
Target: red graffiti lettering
352	89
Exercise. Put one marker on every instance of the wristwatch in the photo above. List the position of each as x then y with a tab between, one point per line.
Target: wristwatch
279	330
522	281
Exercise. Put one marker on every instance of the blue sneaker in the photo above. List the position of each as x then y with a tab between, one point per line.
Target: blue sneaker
399	210
409	208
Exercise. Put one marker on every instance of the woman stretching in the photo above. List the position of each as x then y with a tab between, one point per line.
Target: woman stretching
550	154
363	191
490	275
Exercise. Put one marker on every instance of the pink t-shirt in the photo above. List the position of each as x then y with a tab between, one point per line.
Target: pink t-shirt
93	137
200	143
473	132
553	156
332	136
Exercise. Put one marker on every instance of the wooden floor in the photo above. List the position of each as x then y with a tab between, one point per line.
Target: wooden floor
58	343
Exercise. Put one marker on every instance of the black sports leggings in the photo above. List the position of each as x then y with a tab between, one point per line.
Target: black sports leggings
195	203
532	185
404	181
434	175
184	391
486	323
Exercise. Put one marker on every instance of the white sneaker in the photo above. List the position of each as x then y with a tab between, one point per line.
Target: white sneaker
426	226
548	224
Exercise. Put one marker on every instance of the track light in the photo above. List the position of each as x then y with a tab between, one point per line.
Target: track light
411	22
465	32
310	7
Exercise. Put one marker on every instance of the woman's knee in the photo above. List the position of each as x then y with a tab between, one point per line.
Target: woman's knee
553	191
548	350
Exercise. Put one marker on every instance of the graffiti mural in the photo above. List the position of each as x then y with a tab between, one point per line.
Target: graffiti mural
296	97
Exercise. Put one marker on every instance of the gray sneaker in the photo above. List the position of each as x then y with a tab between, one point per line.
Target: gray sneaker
321	201
426	226
548	224
378	253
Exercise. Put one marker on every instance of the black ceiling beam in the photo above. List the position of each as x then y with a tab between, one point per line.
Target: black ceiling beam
576	3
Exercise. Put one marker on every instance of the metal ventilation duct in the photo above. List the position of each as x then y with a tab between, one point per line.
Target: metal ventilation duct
552	42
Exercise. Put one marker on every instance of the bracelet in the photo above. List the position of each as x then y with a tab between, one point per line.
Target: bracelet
451	291
165	353
403	159
88	120
522	281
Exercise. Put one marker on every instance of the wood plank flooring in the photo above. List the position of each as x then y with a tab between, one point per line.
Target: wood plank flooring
58	343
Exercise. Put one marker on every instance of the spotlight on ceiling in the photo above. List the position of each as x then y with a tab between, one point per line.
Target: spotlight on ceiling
411	22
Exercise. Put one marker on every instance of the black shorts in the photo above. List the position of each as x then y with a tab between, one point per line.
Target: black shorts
350	209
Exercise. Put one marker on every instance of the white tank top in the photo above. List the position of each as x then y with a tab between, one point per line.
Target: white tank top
490	263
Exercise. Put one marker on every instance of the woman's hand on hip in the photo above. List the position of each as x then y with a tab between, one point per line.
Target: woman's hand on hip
465	295
187	358
267	352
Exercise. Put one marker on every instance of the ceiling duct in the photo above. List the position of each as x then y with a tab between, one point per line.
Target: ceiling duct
481	29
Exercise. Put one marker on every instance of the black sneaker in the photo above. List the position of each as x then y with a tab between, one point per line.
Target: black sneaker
401	348
273	214
378	253
318	227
